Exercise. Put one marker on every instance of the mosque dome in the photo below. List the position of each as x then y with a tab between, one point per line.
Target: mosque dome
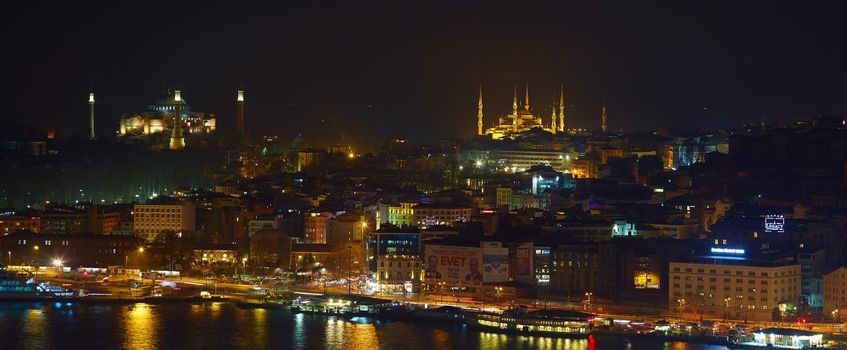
166	103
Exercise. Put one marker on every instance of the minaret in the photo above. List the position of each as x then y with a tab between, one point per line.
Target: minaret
479	113
553	127
562	109
526	98
603	115
515	101
177	139
239	120
91	136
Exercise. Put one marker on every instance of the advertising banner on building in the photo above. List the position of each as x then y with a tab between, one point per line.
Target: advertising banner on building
495	262
454	265
523	260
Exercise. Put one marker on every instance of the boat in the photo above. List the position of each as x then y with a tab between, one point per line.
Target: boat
14	287
561	323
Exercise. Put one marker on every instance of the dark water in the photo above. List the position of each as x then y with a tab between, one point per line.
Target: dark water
224	326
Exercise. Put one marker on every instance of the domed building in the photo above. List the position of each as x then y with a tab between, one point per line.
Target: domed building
159	117
522	119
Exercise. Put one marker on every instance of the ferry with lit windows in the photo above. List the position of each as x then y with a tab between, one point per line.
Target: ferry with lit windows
562	323
14	287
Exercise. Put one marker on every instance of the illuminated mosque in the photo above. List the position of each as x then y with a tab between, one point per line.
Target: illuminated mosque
523	119
159	117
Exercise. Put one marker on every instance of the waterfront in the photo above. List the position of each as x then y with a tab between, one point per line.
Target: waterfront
222	325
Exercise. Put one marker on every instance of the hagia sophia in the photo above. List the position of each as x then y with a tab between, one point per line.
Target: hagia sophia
169	118
160	116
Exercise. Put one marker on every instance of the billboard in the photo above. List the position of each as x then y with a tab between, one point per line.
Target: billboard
454	265
495	262
774	223
523	260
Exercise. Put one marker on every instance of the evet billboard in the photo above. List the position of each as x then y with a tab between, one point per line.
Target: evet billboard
454	265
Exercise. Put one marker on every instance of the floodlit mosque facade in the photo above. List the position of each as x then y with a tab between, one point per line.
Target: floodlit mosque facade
522	118
159	117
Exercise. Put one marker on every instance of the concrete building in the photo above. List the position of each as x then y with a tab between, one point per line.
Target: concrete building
426	215
595	230
812	267
315	227
346	228
308	159
734	280
260	223
63	220
503	197
402	214
514	160
835	292
155	222
13	221
394	256
625	267
83	249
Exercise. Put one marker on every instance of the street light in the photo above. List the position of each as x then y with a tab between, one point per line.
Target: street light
441	289
35	262
58	262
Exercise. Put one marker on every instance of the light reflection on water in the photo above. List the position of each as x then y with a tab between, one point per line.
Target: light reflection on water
223	326
500	341
33	327
260	328
141	327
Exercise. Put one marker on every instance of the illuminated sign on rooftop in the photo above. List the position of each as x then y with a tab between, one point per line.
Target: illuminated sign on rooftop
774	223
728	251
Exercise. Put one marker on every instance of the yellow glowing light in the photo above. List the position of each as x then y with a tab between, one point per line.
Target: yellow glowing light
351	155
58	262
91	97
240	95
141	249
177	96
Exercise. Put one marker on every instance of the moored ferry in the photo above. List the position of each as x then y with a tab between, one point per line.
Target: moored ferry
17	287
542	322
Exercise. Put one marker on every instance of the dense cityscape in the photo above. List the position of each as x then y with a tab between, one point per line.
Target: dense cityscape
528	222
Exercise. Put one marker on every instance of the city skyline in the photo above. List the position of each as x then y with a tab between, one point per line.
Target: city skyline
312	67
424	175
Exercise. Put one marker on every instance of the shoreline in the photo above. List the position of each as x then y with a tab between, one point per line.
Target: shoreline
412	317
391	316
116	301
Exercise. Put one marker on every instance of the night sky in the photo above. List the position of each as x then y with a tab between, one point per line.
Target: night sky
379	70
